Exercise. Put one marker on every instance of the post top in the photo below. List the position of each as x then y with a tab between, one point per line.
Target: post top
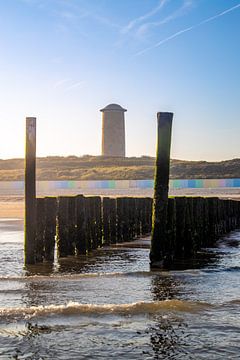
165	114
113	107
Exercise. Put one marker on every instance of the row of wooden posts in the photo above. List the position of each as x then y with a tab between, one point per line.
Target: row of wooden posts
81	224
193	223
182	226
179	226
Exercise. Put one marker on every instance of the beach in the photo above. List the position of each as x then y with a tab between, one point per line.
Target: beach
12	202
109	304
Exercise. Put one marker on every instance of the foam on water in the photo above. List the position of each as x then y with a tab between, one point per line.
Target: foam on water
110	304
66	277
74	308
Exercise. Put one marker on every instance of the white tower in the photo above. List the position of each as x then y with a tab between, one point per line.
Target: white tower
113	130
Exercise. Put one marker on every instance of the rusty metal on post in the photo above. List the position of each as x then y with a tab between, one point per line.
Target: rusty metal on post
30	191
159	253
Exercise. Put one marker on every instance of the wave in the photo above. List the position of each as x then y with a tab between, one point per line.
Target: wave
221	269
78	276
62	277
233	302
232	268
75	308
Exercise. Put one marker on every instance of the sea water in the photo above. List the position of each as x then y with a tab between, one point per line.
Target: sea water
110	305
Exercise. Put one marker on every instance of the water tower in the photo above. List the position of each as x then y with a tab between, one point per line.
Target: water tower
113	130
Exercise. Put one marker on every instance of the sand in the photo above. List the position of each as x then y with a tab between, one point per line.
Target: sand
12	205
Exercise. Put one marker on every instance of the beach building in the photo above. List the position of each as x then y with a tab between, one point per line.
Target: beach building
113	130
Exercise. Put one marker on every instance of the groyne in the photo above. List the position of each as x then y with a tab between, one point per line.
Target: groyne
76	225
80	224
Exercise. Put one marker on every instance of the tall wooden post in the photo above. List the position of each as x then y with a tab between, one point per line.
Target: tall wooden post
158	252
30	191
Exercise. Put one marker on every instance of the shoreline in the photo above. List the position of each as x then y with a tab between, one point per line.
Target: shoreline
12	205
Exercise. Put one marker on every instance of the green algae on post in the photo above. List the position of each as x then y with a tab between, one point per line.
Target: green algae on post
160	202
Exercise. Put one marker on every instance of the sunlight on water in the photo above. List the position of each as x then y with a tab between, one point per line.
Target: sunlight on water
110	305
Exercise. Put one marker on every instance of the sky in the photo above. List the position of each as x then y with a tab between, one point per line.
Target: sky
61	61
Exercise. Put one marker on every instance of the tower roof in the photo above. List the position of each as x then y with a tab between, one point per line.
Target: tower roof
113	107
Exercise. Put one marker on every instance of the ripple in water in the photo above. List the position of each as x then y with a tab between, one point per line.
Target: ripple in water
109	305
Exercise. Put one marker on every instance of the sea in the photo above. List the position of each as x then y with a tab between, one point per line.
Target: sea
110	305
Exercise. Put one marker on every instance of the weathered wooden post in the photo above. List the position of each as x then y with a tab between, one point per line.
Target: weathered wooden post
181	209
160	200
81	245
30	191
171	226
125	219
149	214
88	224
119	205
99	222
113	221
94	201
137	219
40	229
131	218
50	228
71	225
105	216
62	227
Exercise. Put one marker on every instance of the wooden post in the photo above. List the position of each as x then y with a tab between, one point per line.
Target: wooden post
105	216
30	191
81	245
144	216
113	221
189	233
159	236
125	219
62	228
71	225
119	205
205	223
40	229
99	223
140	214
50	229
180	225
149	214
88	226
171	228
131	218
137	220
93	220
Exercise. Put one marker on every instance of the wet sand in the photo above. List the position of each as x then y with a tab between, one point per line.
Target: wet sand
11	207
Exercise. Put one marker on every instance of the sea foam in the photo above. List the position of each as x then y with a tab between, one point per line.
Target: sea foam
75	308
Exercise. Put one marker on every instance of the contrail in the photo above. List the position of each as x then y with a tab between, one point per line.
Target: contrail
187	29
75	85
152	12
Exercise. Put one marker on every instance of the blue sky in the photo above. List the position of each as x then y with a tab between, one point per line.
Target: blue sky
63	60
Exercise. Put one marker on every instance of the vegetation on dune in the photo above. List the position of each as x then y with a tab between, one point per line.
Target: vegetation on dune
106	168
